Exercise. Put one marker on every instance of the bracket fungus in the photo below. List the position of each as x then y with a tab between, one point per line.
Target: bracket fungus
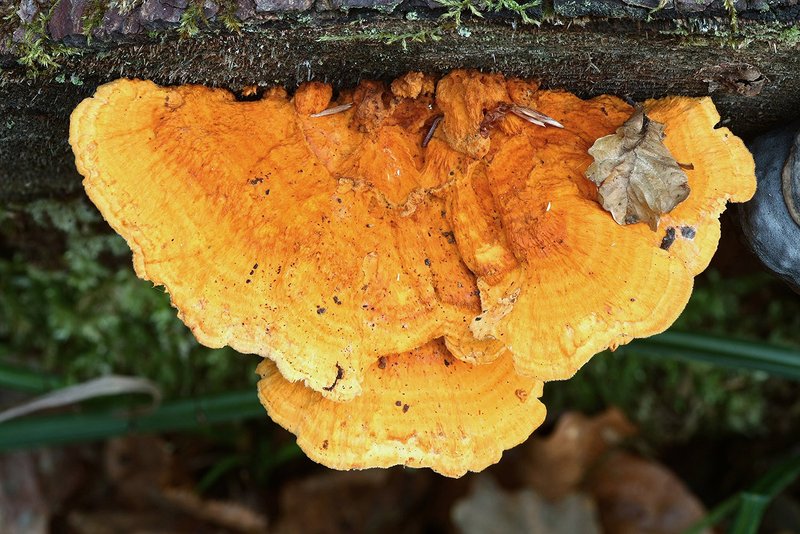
412	260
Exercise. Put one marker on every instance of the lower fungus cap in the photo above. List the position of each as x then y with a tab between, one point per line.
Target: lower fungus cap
422	408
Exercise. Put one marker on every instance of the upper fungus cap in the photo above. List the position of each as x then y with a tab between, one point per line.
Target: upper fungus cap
312	241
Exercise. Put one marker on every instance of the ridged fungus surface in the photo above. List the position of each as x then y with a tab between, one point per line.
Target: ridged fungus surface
411	243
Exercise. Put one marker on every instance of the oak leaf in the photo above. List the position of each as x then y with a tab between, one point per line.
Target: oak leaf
639	180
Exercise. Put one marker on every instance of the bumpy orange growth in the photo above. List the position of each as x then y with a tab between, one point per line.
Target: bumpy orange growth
330	244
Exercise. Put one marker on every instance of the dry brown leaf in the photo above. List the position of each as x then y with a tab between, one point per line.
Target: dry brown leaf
23	506
28	495
490	509
228	514
633	494
557	464
144	476
372	500
639	180
639	496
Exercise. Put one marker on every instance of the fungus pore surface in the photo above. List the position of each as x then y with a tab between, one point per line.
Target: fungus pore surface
420	245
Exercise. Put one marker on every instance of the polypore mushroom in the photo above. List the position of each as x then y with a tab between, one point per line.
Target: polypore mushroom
360	245
771	220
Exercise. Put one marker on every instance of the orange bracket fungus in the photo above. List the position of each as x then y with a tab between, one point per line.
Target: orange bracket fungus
412	260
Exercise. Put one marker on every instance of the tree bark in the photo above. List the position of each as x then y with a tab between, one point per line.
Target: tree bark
588	47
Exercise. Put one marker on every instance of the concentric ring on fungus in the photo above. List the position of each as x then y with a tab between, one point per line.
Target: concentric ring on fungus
329	241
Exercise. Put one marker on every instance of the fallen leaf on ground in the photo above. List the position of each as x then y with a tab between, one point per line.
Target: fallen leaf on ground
490	509
34	485
558	463
639	180
372	500
228	514
633	494
144	475
639	496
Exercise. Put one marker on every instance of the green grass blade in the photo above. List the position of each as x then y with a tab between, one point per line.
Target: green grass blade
24	380
750	513
170	416
720	512
753	502
778	478
724	352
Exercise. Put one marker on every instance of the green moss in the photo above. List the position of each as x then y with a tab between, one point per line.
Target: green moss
420	36
124	6
731	9
192	19
722	34
227	16
455	8
36	51
789	36
450	20
93	16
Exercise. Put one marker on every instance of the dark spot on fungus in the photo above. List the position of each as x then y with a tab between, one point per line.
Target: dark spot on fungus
451	238
256	181
336	300
633	299
339	200
405	408
688	232
669	238
427	262
339	376
478	318
447	362
266	193
325	444
521	394
382	362
321	310
398	403
247	281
